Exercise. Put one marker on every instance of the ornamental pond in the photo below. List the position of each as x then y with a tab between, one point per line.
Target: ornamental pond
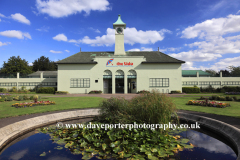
38	146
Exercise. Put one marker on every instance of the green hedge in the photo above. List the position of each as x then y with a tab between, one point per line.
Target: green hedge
50	90
3	89
95	92
230	89
190	90
61	92
176	91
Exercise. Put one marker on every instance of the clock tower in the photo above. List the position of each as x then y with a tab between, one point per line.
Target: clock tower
119	27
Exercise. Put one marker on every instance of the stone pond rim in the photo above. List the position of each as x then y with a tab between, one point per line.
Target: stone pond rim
13	131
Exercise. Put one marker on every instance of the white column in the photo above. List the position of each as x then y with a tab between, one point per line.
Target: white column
41	75
125	84
113	83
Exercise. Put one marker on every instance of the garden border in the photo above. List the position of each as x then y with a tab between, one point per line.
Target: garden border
15	130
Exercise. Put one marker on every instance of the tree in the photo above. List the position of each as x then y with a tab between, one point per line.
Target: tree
16	64
225	73
211	71
235	71
44	64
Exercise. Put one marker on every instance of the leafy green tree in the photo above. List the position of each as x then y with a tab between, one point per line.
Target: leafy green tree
16	64
235	71
211	71
44	64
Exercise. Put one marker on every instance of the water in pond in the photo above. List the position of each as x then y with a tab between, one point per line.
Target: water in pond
34	144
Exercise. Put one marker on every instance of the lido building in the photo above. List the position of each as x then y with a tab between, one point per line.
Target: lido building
119	71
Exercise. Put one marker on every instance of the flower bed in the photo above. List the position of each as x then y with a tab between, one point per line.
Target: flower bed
232	93
5	94
31	104
208	103
143	92
95	92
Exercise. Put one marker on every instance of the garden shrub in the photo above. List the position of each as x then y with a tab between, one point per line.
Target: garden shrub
143	92
50	90
16	98
214	97
8	98
31	97
25	97
14	89
95	92
235	98
20	98
61	92
190	90
2	99
151	108
177	91
3	89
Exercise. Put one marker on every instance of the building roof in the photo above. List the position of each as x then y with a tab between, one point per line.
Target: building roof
119	22
87	57
194	73
45	73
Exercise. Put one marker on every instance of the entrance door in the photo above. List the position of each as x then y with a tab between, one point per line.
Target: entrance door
119	85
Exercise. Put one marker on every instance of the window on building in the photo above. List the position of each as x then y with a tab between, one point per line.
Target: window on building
210	83
159	82
80	83
189	83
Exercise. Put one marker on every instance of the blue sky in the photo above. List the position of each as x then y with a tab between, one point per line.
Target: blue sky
205	34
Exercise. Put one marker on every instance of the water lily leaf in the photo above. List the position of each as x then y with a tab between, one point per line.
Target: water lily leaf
112	145
117	149
117	143
154	150
43	154
127	155
83	144
104	146
75	135
59	147
61	142
152	157
189	146
89	150
184	140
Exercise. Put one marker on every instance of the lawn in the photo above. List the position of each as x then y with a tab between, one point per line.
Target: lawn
66	103
232	111
62	103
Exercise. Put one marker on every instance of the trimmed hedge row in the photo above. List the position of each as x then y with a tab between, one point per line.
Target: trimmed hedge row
50	90
190	89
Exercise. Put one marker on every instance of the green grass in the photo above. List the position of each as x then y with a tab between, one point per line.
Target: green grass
62	103
232	111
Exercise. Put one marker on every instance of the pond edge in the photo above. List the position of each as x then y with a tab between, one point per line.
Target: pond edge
15	130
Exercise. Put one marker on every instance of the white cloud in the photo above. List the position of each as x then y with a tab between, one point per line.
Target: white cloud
60	37
52	51
131	36
0	20
238	12
43	29
30	64
18	155
5	43
224	63
95	30
20	18
215	26
1	15
142	49
16	34
64	8
195	56
67	51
